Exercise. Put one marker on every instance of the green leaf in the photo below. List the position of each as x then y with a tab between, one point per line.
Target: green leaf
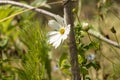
65	66
96	65
87	78
66	71
39	3
81	59
92	44
6	11
89	65
84	70
62	59
3	42
93	64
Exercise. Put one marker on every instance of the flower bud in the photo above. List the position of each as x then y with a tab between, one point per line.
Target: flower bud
85	26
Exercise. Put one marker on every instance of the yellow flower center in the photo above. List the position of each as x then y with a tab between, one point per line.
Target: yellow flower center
62	30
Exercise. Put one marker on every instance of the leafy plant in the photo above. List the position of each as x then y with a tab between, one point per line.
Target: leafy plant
35	63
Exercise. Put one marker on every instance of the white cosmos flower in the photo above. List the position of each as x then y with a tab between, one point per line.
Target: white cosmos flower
60	33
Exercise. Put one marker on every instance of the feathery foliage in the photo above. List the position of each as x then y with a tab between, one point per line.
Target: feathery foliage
35	62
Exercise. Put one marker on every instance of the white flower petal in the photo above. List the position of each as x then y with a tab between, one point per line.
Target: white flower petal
57	43
53	33
53	24
64	37
65	20
67	29
52	39
60	20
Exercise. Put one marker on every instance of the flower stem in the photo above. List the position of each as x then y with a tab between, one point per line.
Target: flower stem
116	38
89	36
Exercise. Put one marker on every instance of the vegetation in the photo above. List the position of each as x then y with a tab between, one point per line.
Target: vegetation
25	53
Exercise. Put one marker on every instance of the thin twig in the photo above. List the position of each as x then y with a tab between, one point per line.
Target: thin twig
13	15
101	37
28	7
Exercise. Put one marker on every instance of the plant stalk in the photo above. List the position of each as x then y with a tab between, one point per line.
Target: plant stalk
68	6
